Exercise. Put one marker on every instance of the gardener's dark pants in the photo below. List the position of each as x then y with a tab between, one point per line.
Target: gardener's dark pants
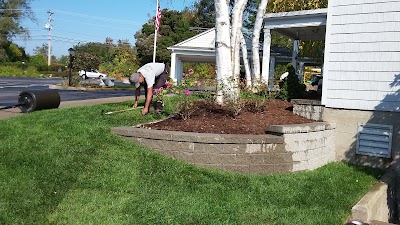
159	82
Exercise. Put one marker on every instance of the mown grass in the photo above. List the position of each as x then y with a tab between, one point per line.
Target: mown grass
63	166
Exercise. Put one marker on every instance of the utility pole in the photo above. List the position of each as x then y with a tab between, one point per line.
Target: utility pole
49	26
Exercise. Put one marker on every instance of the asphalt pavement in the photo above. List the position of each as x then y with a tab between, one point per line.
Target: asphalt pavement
7	113
10	87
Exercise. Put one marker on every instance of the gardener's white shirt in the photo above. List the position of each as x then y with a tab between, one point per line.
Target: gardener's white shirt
150	71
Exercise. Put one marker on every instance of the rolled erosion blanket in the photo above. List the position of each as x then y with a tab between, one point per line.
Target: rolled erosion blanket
32	100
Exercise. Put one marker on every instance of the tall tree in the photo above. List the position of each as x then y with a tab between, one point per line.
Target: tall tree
204	14
256	40
174	28
11	14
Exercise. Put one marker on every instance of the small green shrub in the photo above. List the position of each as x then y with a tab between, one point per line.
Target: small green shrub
255	105
13	71
185	106
291	89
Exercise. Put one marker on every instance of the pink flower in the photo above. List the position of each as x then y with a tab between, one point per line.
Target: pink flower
168	84
190	71
187	75
156	90
187	92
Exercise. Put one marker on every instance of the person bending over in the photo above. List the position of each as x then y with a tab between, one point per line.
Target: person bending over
153	76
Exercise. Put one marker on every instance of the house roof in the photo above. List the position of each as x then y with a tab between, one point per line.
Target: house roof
303	25
201	48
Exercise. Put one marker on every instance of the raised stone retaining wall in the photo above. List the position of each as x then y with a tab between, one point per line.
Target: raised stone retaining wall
281	152
312	145
308	108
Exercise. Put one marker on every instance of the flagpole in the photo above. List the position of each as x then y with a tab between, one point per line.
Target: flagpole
155	36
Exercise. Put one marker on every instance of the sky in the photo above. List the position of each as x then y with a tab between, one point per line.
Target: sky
86	21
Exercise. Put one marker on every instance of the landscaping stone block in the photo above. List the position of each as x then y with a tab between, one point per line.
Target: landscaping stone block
308	149
207	148
253	148
261	169
185	156
234	148
278	158
237	168
300	166
201	158
176	145
283	168
251	158
224	159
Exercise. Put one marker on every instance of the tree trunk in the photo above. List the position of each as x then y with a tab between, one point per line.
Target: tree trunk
256	41
245	60
223	50
236	31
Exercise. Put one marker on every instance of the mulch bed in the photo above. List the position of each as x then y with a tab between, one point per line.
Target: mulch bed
210	118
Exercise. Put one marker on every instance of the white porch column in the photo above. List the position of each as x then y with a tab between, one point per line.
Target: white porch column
179	70
301	72
266	56
271	73
294	54
172	72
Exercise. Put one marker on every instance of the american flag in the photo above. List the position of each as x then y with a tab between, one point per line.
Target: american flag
158	18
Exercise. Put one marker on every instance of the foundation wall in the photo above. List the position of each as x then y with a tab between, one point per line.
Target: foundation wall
346	134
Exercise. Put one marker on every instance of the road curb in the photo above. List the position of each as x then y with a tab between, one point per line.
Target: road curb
57	87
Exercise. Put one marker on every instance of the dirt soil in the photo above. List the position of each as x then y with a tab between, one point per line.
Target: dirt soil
216	119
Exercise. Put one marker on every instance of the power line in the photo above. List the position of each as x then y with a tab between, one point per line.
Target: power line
107	19
98	18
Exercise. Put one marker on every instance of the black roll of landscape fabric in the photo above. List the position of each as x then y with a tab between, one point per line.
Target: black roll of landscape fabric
32	100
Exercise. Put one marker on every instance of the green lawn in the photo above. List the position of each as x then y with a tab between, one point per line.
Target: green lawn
63	166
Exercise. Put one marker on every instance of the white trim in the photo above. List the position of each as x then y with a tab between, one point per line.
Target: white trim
194	37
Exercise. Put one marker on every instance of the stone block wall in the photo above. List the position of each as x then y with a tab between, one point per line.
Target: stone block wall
312	145
253	154
308	108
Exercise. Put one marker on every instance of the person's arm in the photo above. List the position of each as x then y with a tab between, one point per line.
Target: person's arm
137	94
149	96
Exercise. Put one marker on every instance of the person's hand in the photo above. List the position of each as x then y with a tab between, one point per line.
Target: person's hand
145	111
134	105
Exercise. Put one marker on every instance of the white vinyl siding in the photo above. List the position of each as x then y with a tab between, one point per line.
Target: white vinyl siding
362	55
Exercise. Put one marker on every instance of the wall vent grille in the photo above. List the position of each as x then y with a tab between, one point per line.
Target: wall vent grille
374	140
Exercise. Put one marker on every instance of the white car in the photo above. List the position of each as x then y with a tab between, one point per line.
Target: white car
84	74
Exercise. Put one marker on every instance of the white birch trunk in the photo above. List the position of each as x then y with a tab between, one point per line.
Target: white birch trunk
222	49
236	30
245	60
256	40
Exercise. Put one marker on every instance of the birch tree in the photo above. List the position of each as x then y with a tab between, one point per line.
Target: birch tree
245	60
223	55
256	41
227	47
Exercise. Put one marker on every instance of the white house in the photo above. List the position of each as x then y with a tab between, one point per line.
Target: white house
361	70
362	77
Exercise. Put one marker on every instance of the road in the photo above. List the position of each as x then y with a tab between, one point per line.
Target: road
11	87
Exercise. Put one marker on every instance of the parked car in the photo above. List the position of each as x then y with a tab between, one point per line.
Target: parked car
84	74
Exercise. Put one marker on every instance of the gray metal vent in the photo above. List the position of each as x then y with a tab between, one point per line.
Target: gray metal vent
374	140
